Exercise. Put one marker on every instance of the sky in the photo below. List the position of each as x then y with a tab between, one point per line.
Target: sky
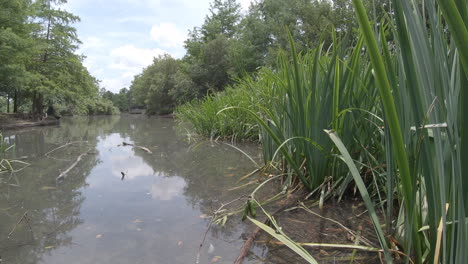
121	37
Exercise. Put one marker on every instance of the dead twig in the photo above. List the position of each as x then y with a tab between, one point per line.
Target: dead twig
57	148
354	234
24	217
64	174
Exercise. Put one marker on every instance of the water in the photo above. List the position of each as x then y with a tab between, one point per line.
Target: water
156	214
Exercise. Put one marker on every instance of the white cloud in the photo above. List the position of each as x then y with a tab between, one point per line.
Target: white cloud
115	84
136	19
131	56
125	35
168	35
91	43
127	61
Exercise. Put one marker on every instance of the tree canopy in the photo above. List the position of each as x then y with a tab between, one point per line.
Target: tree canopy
231	43
40	67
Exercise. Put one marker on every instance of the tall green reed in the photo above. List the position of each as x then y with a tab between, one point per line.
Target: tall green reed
312	92
420	88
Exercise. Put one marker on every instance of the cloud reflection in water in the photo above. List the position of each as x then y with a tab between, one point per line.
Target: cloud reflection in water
165	188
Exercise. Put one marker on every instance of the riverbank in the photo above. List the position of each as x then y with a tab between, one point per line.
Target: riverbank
18	121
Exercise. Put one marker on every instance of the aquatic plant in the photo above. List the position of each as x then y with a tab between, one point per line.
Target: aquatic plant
7	165
421	87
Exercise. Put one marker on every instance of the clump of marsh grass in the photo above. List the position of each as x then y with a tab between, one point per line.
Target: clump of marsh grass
422	85
202	114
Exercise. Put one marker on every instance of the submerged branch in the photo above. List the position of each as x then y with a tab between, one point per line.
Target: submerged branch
64	174
249	242
69	143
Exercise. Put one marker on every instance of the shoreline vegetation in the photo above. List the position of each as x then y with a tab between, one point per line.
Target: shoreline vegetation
381	114
346	99
20	121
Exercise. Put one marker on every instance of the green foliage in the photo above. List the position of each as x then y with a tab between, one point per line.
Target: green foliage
424	82
155	86
250	93
39	65
297	101
230	45
122	100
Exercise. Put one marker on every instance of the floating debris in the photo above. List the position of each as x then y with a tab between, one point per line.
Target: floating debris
215	259
135	146
211	249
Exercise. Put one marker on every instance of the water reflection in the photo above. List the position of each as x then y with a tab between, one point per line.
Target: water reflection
167	188
154	215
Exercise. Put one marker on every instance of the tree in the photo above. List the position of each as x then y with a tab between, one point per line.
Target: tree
153	86
209	48
14	48
56	41
223	19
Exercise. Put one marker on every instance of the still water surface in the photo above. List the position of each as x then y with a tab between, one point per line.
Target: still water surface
156	214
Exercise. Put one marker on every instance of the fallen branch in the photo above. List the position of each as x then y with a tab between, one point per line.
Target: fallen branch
135	146
249	242
64	174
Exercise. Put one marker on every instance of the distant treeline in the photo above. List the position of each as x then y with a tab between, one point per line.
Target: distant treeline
231	44
39	67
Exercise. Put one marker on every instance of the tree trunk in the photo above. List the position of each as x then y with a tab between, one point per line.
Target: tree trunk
15	101
38	104
8	103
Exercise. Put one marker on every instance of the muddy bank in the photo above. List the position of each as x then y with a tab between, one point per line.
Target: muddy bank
339	232
18	121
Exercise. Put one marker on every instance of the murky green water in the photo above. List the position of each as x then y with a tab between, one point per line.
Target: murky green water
156	214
